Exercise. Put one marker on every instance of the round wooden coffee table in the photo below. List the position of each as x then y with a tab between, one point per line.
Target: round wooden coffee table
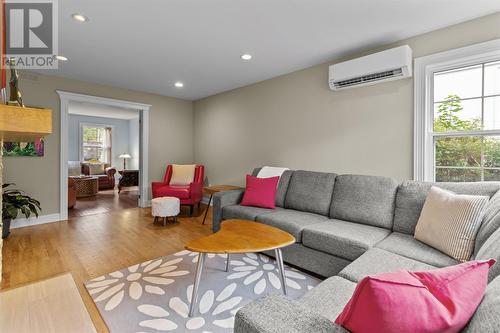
239	236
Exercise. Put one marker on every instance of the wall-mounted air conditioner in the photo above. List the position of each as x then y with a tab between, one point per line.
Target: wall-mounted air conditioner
388	65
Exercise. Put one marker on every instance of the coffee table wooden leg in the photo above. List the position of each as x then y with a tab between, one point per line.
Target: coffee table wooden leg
281	268
227	263
199	269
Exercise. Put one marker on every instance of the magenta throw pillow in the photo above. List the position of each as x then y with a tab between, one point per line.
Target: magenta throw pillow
260	192
440	300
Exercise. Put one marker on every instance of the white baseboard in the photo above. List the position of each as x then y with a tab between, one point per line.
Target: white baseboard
146	203
42	219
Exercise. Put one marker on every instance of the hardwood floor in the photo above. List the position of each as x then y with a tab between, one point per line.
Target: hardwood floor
104	202
37	307
90	246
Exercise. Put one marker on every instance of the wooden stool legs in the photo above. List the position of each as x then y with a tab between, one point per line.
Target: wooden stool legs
164	219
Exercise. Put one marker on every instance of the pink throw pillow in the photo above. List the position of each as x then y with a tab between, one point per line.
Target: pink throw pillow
440	300
260	192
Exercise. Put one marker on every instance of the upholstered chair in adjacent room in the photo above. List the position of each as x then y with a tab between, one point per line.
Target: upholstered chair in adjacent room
190	195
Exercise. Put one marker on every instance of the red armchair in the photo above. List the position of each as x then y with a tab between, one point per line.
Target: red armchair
188	195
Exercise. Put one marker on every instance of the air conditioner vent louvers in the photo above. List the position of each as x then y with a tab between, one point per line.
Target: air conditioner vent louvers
369	78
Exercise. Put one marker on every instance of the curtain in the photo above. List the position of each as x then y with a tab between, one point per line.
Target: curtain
107	157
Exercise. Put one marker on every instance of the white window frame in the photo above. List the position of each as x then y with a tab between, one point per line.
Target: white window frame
425	67
82	125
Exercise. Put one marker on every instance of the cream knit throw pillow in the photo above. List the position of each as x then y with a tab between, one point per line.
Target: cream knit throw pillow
449	222
182	174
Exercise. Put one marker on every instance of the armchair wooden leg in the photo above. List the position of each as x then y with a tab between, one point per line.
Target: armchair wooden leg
191	209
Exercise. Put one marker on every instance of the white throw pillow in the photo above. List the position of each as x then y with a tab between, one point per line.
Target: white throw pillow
182	174
449	222
74	168
268	171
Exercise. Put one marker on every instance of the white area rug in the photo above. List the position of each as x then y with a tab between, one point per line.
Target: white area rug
154	296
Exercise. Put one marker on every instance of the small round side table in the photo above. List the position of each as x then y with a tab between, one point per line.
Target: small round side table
86	186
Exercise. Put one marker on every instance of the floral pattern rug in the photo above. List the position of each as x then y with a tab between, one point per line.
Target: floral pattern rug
154	296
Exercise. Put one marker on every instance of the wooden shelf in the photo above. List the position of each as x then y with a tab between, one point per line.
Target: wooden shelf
24	124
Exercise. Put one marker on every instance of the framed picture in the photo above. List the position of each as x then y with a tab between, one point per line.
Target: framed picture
35	148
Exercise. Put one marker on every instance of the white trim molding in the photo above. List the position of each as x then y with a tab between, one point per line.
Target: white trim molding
42	219
425	67
67	97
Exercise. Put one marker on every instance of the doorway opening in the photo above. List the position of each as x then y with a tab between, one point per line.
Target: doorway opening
103	155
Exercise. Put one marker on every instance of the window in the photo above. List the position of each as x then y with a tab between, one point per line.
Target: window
96	143
457	115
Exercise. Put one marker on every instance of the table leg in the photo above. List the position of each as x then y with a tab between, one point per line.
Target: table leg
208	206
227	263
194	296
281	268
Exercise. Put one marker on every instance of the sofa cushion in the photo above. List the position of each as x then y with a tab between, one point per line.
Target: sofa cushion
364	199
409	247
291	221
376	261
282	186
74	168
329	297
411	196
244	212
310	191
344	239
491	249
491	221
278	314
181	192
96	168
485	319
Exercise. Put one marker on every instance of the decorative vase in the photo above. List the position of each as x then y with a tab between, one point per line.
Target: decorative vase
5	228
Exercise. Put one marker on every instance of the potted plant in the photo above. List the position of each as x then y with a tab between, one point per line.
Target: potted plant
15	201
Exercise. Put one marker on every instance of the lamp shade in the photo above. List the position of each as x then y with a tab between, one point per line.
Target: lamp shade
125	156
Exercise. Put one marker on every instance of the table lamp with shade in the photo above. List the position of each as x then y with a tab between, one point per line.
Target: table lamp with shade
125	156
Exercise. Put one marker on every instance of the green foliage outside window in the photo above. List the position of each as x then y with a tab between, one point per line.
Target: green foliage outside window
467	155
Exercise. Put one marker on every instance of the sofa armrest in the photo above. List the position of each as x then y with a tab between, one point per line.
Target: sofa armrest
110	171
155	185
277	314
222	199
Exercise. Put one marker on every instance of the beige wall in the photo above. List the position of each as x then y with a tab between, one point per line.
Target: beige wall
292	120
170	139
296	121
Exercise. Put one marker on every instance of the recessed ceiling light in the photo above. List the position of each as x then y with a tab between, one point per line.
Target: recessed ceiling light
179	84
80	17
61	58
246	56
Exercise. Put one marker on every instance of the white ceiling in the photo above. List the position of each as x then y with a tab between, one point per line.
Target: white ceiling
149	45
103	111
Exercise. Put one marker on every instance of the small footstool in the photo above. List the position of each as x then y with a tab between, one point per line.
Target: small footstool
165	207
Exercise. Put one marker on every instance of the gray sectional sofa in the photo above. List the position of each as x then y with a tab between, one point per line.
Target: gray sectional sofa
348	227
